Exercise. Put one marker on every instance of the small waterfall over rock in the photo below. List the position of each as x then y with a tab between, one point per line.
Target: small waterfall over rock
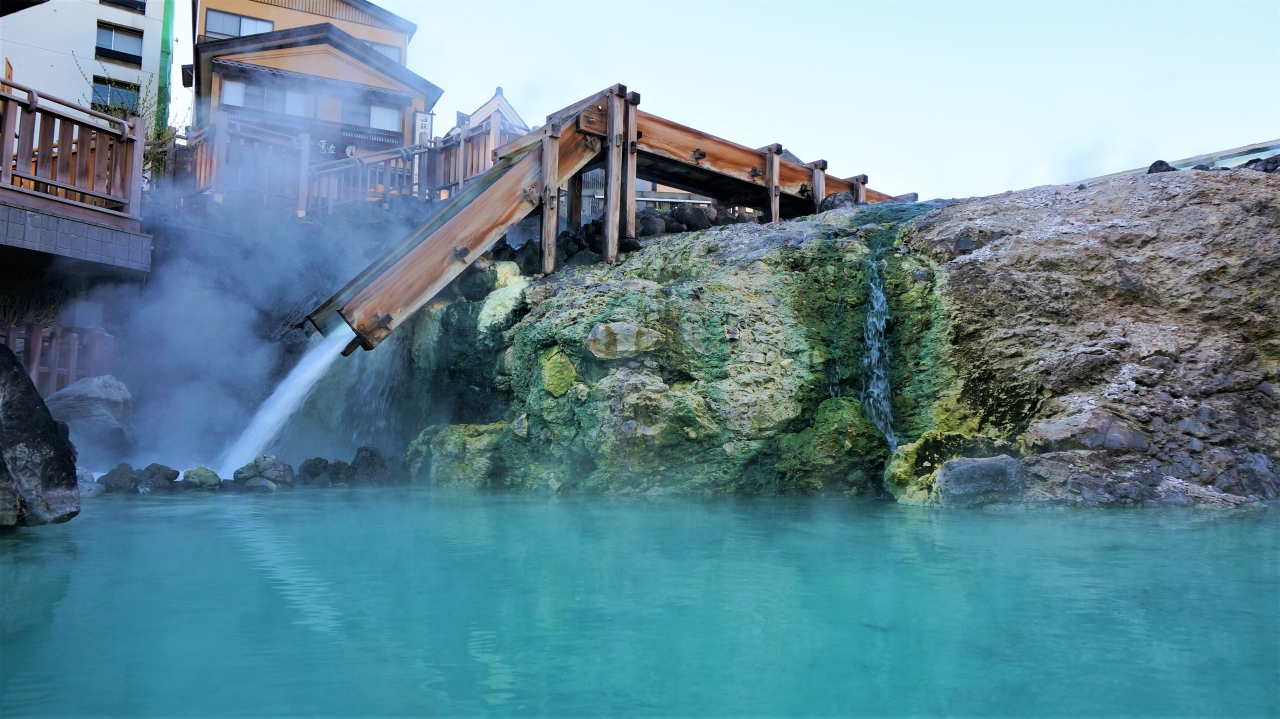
876	393
283	402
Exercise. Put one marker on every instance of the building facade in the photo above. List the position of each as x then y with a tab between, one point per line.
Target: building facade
101	53
331	69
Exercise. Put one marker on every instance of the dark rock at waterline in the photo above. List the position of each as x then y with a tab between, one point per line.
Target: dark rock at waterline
123	479
1264	164
267	467
692	217
837	201
37	460
310	469
98	411
259	485
370	467
230	485
673	226
1160	166
340	472
156	478
647	226
967	481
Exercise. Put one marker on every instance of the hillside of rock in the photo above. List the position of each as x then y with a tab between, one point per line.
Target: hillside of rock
1110	343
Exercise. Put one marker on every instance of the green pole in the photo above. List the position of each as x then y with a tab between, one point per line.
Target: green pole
166	68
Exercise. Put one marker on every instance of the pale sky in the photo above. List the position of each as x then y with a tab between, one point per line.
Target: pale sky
947	99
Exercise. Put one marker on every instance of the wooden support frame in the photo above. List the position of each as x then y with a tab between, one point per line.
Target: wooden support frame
819	183
772	169
629	150
574	221
550	183
613	176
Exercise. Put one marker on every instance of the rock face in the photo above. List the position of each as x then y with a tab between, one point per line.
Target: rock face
37	460
200	478
98	411
267	467
1118	342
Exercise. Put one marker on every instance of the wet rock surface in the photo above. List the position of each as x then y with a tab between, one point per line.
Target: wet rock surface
98	411
38	483
1119	341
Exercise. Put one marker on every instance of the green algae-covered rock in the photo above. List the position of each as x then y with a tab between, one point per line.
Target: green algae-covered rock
460	455
200	478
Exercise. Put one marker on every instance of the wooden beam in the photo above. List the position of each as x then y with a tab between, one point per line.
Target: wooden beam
495	139
629	168
575	202
673	141
524	142
550	201
613	177
575	108
8	127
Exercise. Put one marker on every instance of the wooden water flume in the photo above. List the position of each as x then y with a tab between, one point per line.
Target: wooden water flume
605	130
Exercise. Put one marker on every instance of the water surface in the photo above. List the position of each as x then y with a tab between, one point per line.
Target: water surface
408	601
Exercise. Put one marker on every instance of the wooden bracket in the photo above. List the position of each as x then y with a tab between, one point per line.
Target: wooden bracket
594	119
629	168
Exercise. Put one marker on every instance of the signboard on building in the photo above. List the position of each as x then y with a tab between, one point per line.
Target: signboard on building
421	125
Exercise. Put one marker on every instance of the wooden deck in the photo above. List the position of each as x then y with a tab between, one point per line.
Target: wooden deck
606	130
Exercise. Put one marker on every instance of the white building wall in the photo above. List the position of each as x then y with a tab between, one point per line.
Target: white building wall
45	43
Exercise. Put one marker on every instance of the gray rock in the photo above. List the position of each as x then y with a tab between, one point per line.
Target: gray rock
98	411
310	469
1261	164
673	225
260	485
968	481
1160	166
692	217
90	489
37	460
156	478
614	340
230	485
649	226
837	201
1094	429
123	479
370	467
268	467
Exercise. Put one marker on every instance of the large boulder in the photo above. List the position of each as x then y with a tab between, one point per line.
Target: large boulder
98	411
966	481
37	460
156	478
200	478
123	479
1094	429
370	467
837	201
267	467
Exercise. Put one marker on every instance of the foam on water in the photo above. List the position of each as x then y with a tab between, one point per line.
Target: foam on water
283	402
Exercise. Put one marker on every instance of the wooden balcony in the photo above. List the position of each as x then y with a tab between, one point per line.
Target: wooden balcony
70	180
336	133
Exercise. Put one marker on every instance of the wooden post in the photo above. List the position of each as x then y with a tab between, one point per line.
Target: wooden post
304	162
134	170
221	148
44	152
613	177
495	139
771	155
819	183
859	189
461	158
575	202
73	357
35	338
550	200
8	126
629	168
55	358
66	141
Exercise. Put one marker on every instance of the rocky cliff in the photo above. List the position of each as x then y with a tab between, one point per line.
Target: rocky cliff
1110	343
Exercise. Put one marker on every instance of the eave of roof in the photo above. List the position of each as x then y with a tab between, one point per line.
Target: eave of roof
384	15
249	68
320	34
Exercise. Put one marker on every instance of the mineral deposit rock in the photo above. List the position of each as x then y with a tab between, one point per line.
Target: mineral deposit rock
97	410
267	467
1118	341
200	478
837	201
37	460
369	467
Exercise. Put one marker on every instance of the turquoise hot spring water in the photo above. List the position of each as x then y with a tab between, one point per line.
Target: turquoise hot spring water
409	601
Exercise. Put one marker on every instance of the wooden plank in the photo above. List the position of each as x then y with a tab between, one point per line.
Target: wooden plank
26	140
44	152
495	139
524	142
84	153
550	186
673	141
594	118
575	108
629	167
575	202
8	126
132	174
66	142
613	178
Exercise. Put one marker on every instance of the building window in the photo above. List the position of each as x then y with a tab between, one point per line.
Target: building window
119	44
222	25
295	103
355	113
390	51
114	97
288	102
384	118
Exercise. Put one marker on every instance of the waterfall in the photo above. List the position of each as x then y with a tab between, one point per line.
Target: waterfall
876	393
283	402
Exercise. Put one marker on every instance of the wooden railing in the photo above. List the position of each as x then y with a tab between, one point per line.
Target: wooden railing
60	150
381	175
56	357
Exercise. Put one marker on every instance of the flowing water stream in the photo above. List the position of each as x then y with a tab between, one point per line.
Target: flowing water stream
877	394
283	402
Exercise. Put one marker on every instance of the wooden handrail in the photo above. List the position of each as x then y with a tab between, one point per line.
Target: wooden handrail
33	103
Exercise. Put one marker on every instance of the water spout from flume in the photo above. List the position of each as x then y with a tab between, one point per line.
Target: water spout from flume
283	402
